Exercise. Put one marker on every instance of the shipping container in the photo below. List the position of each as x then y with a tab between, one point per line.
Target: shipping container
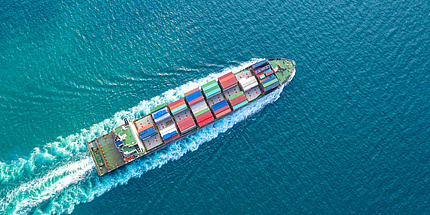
259	64
178	103
215	99
270	72
147	132
235	95
164	121
271	86
240	105
206	119
157	108
211	88
249	84
238	100
222	109
191	91
173	137
145	128
198	106
227	80
186	123
262	69
219	105
269	78
194	96
222	113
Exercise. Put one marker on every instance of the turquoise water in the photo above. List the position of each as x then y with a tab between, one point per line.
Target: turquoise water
350	133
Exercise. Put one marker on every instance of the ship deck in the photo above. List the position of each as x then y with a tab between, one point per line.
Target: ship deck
105	153
283	68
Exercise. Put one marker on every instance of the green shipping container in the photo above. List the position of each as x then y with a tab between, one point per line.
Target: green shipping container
201	112
270	82
235	95
157	108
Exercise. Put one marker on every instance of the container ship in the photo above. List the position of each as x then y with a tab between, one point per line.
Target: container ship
200	107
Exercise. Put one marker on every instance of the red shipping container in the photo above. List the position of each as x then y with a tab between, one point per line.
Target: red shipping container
146	127
222	109
204	122
176	104
227	80
223	113
259	74
186	123
228	75
238	100
229	83
203	115
204	118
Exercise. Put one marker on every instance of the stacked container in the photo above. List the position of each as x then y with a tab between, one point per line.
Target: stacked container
215	99
259	64
198	106
165	123
232	91
182	115
249	84
148	133
265	75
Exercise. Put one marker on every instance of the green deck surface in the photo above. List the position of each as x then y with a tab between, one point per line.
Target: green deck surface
129	139
283	69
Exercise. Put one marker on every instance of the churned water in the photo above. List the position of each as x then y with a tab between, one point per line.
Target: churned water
349	134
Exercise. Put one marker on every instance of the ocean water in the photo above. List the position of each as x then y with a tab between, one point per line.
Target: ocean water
349	134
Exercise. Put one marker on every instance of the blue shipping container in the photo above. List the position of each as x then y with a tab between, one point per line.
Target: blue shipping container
219	105
169	135
269	79
194	95
147	134
259	64
159	113
271	86
147	130
262	69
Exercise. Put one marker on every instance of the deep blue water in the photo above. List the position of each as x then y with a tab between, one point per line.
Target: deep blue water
349	134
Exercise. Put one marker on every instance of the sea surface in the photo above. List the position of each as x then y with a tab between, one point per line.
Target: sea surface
350	134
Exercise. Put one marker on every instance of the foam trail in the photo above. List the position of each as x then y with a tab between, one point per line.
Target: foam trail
67	164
